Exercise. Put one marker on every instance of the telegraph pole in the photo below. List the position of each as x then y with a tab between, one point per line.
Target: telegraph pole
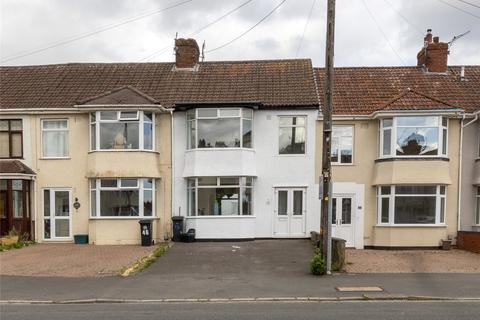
326	221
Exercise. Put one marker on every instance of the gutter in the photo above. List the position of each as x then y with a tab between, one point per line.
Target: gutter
84	108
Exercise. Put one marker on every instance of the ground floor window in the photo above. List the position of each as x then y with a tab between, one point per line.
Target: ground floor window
125	197
411	204
220	196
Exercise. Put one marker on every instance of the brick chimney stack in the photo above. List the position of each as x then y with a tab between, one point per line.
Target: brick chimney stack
434	54
187	53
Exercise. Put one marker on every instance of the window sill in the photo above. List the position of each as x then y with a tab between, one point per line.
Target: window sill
386	159
55	158
342	164
124	218
411	226
124	150
221	217
219	149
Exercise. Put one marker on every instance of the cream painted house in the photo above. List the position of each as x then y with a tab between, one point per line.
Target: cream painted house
396	150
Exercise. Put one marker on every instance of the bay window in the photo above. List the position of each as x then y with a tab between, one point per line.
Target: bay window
411	205
292	133
54	138
125	197
220	196
118	130
414	136
342	145
219	128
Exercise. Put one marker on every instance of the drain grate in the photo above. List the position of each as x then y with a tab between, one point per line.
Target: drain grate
359	289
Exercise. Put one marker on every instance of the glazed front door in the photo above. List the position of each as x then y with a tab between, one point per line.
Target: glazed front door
57	214
343	218
289	213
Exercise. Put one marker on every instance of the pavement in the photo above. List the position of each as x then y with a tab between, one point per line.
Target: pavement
440	310
69	260
261	270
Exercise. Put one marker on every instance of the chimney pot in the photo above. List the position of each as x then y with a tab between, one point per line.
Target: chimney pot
436	39
187	53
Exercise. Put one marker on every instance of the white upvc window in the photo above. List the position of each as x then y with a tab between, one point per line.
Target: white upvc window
342	144
413	205
477	210
219	128
122	198
54	138
414	136
220	196
122	130
292	133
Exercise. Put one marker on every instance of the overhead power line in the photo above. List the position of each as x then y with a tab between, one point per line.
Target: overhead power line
383	33
470	4
249	29
96	31
460	9
404	18
199	30
305	28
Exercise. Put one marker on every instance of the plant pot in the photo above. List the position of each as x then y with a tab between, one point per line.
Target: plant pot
80	238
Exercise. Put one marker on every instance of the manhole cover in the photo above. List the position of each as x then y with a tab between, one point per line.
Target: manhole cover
359	289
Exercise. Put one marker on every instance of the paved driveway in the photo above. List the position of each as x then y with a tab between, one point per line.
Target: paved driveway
412	261
69	260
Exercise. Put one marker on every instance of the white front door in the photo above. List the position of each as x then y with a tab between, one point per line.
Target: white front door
289	215
343	218
57	214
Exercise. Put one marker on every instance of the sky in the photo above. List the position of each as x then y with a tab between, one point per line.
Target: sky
367	32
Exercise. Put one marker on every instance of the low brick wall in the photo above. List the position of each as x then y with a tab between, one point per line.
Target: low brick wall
469	240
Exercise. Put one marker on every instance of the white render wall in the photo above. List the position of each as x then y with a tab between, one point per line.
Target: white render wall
269	169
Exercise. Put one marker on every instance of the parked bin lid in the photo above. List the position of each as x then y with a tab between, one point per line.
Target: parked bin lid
145	221
178	218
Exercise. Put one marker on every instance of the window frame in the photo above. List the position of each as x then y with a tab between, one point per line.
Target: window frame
66	130
391	210
218	184
393	137
339	163
241	117
10	132
305	117
141	127
96	182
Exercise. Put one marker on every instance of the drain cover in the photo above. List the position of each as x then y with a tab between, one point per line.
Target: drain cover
359	289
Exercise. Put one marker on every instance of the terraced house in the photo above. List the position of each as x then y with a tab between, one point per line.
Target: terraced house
234	147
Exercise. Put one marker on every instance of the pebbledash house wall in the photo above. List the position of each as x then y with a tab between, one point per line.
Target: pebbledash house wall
268	168
74	172
365	170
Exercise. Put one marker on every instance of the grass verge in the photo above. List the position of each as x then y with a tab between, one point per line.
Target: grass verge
145	262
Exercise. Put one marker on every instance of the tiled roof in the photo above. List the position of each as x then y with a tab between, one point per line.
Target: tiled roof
274	83
361	91
14	167
413	100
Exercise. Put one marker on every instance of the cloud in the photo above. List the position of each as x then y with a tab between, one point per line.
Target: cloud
29	24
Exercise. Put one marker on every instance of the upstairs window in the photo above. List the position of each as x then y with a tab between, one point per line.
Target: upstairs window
419	136
120	130
342	145
11	138
54	138
292	132
219	128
